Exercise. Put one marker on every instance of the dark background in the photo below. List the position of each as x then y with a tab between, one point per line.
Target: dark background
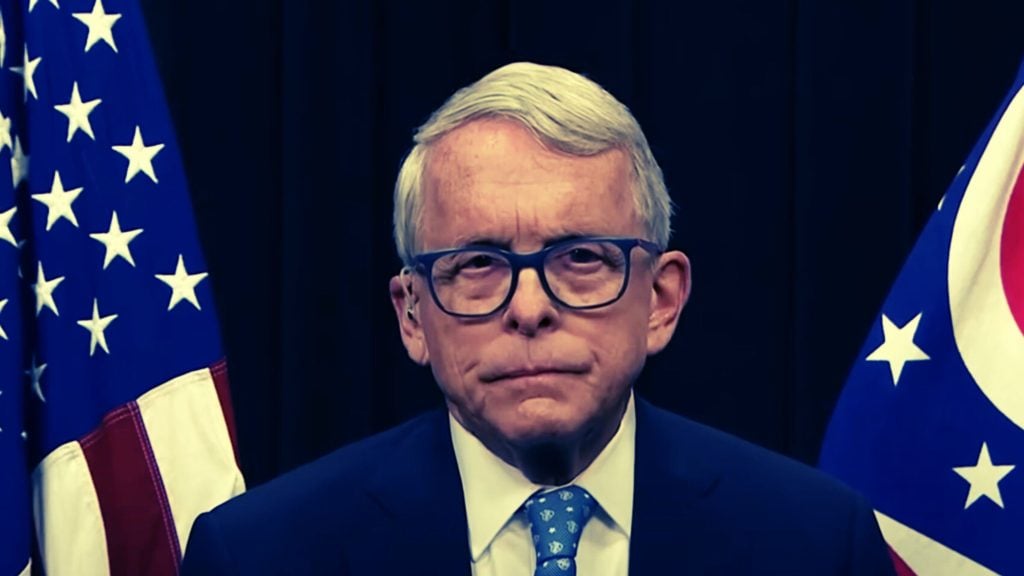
805	144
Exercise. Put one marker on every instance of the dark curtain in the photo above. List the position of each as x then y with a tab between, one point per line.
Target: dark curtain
804	142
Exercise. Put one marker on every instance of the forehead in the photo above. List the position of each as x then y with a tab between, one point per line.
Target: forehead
492	180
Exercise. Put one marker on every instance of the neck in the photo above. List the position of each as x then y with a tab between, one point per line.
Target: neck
552	464
558	461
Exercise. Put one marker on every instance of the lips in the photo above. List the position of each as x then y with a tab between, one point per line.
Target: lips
507	373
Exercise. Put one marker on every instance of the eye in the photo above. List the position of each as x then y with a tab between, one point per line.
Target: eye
478	262
583	256
469	264
586	257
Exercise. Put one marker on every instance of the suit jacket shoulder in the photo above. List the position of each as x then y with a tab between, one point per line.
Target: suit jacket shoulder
726	506
359	510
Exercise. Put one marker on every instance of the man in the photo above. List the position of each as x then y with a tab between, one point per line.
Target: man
533	222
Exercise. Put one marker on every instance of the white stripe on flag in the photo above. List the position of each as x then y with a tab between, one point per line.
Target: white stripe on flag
190	440
926	556
69	524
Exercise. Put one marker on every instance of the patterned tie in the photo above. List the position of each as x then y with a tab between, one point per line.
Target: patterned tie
556	521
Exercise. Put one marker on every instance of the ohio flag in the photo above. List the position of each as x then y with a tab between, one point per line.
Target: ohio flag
115	423
930	425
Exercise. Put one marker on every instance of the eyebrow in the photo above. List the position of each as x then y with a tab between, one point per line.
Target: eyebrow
506	244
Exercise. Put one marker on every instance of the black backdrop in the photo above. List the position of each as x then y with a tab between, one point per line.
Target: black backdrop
804	142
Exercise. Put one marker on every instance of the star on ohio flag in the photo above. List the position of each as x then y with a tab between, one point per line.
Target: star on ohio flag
930	425
115	422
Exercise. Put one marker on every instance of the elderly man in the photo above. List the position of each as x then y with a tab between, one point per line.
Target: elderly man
533	222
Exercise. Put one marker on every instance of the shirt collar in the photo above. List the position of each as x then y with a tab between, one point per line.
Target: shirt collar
494	490
609	478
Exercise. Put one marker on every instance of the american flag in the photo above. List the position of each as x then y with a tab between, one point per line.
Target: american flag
115	422
930	425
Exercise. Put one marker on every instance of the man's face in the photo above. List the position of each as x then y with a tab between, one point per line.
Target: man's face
533	372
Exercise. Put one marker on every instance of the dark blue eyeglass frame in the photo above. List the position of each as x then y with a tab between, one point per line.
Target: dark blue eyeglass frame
424	264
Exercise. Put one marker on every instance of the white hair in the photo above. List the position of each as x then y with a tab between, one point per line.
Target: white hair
565	111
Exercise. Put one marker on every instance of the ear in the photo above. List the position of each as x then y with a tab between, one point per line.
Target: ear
669	294
406	305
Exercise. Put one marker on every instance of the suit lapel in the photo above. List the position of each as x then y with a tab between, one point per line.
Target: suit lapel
422	529
676	519
678	523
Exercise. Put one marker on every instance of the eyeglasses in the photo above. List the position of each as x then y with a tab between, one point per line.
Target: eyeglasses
580	273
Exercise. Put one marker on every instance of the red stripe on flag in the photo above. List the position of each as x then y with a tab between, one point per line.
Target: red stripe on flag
901	567
141	538
223	386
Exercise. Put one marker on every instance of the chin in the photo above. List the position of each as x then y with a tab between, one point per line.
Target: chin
544	421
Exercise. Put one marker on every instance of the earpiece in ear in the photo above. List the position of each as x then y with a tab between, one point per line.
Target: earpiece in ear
409	298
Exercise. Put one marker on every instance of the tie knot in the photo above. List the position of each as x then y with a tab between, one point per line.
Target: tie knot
556	521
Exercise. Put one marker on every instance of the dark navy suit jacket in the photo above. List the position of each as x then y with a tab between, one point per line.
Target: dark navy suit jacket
704	503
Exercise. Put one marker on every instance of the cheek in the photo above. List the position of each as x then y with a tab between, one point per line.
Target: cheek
626	354
443	352
452	348
617	343
620	342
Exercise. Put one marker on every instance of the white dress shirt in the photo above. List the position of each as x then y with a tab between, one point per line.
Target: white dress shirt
499	534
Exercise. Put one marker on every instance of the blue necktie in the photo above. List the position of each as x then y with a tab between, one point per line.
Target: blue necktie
556	522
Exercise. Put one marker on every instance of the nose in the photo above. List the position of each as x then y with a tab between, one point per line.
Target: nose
531	309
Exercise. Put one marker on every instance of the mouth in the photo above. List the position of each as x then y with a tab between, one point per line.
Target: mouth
530	372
